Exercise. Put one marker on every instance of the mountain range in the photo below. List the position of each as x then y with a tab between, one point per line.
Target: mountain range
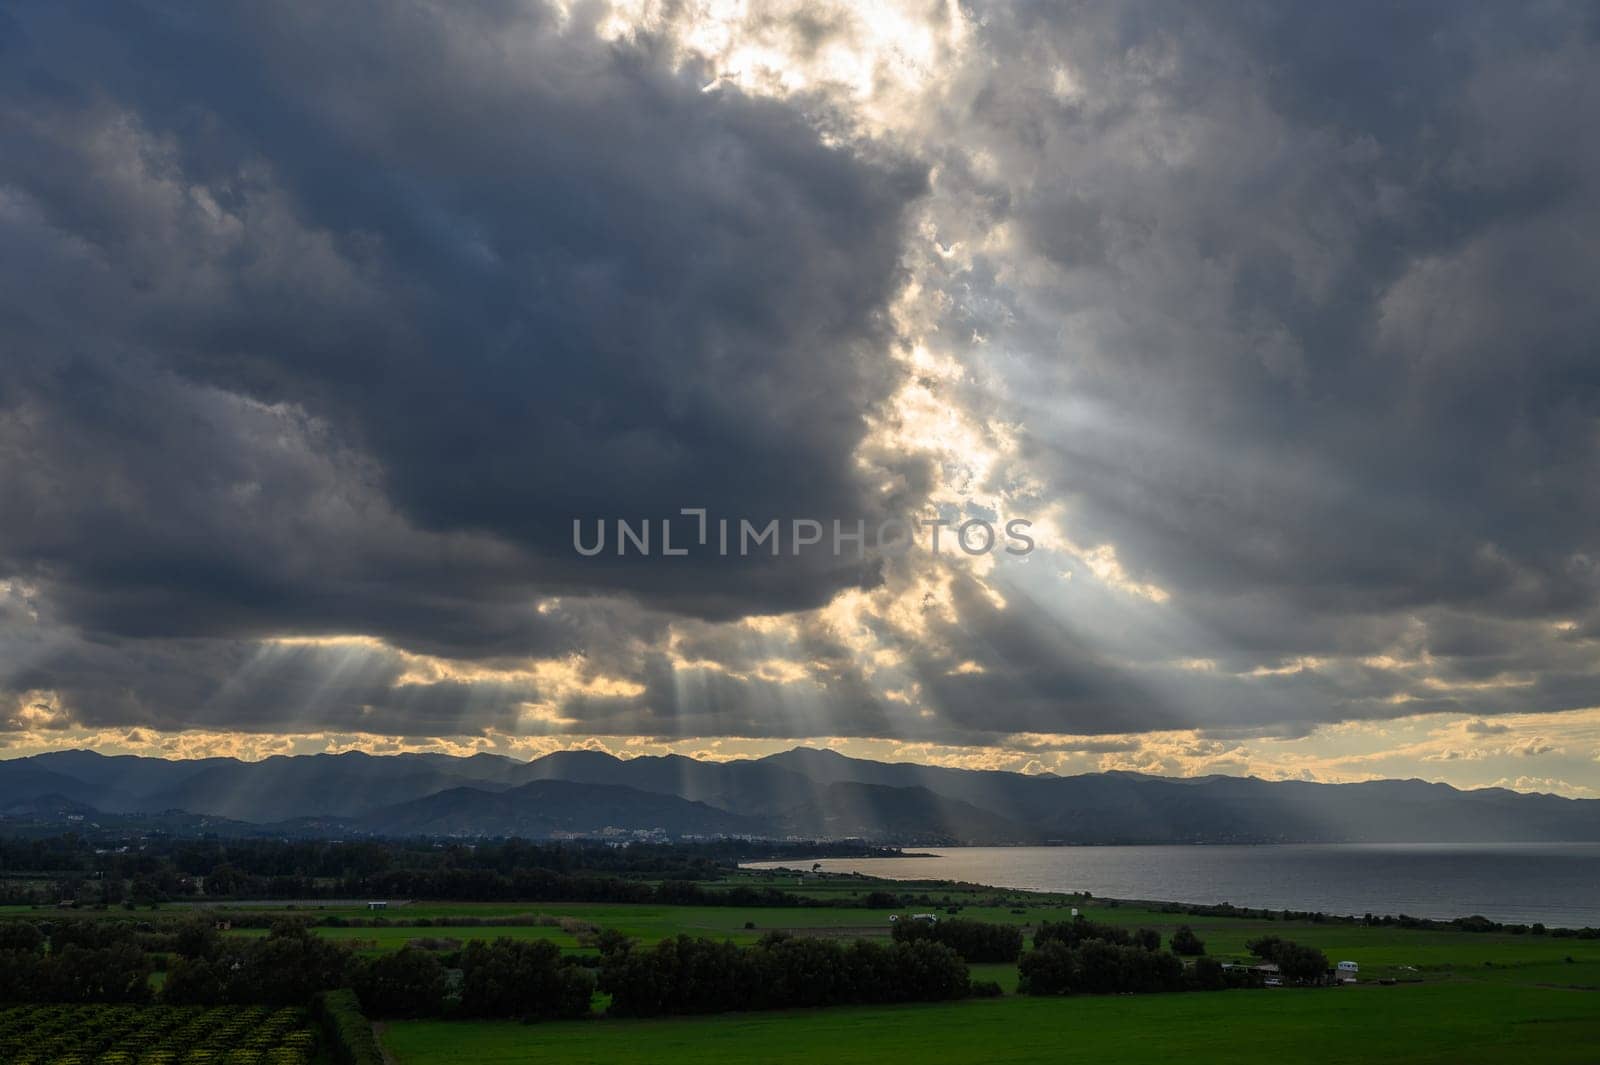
801	793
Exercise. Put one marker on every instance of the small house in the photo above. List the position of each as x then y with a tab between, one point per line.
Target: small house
929	918
1347	972
377	905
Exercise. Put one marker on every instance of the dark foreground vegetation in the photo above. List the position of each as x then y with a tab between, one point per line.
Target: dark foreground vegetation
643	938
975	941
81	871
1085	957
694	975
120	1035
107	961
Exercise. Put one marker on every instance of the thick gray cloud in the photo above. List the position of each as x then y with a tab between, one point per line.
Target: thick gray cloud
1295	314
336	319
330	320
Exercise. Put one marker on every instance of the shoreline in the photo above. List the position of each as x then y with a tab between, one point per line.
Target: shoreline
1470	921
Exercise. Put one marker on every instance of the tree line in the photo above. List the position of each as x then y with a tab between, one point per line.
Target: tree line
693	975
96	961
1087	957
976	941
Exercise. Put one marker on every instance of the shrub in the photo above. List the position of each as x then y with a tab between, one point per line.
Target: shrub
21	935
348	1030
1186	943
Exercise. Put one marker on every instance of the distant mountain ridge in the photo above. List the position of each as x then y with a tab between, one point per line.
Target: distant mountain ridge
799	793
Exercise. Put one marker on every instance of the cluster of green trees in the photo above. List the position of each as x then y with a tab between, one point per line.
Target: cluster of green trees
1080	930
1097	967
75	974
78	868
522	979
1186	943
111	961
693	975
1085	957
975	941
1475	923
285	968
504	978
1297	963
64	963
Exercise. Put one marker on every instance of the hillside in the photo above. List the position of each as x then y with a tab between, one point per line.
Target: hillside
802	792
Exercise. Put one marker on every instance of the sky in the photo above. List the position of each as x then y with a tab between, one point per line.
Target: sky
325	328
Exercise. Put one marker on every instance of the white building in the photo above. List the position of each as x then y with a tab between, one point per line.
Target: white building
1347	971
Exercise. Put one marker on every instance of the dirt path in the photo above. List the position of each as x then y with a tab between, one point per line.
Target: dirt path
377	1033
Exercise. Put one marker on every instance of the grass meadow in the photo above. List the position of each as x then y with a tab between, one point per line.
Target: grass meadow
1456	1021
1459	997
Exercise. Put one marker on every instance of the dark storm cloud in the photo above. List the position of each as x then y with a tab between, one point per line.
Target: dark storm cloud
333	319
1336	311
330	319
1303	300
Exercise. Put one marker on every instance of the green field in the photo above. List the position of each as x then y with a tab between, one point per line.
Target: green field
1380	950
1461	996
1455	1022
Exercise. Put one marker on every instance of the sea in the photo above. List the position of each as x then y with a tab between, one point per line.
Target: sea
1557	884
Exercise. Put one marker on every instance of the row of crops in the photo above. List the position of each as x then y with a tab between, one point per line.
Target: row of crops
155	1035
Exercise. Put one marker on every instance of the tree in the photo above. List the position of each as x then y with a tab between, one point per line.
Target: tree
118	973
1208	975
1097	967
1186	943
523	979
197	937
406	983
1301	964
286	968
1047	969
21	935
975	941
1297	964
193	982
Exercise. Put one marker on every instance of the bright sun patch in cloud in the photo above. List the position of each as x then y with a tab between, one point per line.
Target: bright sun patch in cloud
1280	375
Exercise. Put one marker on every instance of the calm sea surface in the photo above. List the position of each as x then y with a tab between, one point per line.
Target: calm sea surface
1558	884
